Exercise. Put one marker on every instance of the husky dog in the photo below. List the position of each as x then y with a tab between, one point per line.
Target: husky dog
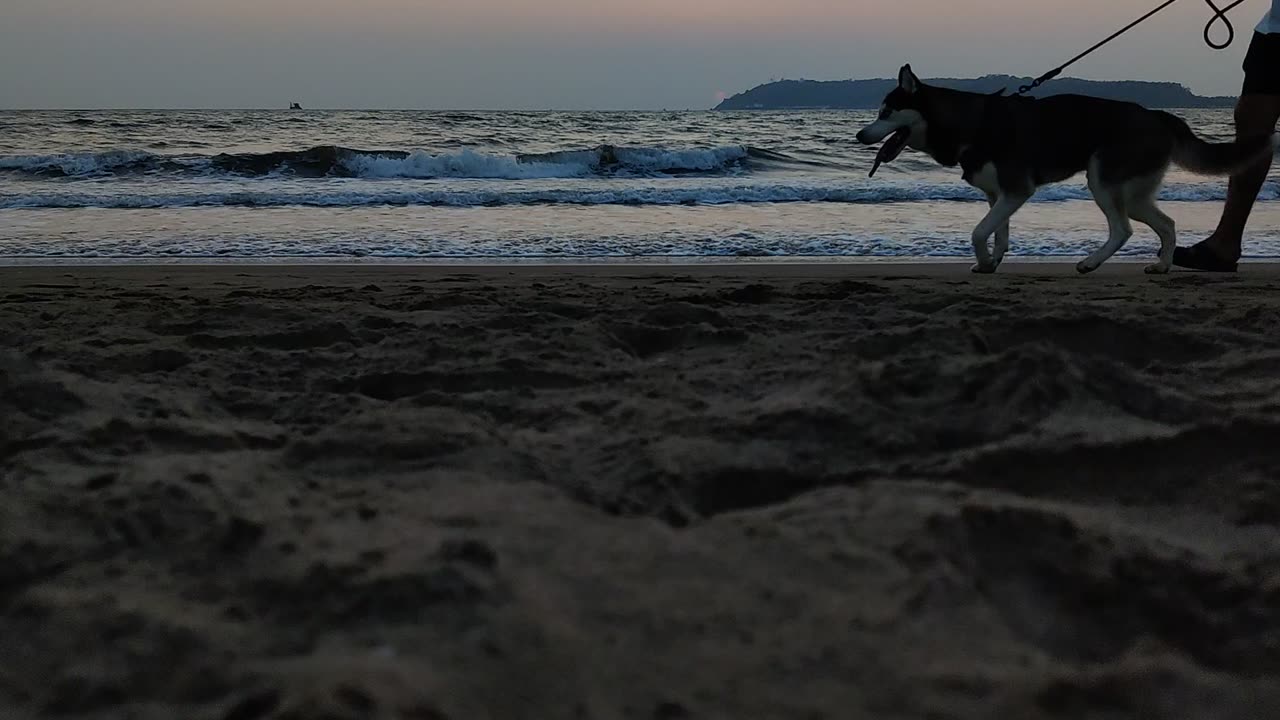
1010	146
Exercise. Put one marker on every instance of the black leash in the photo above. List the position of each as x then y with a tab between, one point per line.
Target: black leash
1219	14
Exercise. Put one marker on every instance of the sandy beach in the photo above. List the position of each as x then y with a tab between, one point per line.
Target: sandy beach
638	492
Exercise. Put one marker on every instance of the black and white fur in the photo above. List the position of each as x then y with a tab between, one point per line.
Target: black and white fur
1008	147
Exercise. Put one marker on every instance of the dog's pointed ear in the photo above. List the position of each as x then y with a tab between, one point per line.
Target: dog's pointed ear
907	79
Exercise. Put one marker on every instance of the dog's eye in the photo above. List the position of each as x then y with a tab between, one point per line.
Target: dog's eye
885	112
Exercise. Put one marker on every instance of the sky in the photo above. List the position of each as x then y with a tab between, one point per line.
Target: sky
565	54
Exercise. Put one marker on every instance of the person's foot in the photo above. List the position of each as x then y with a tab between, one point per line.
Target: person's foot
1207	255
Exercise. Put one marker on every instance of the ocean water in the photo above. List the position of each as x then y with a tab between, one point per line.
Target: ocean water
250	185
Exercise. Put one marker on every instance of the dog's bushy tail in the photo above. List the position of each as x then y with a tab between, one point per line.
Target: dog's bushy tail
1206	158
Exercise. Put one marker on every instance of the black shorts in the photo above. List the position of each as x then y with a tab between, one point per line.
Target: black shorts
1262	65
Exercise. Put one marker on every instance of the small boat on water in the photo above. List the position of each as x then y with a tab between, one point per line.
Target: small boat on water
295	106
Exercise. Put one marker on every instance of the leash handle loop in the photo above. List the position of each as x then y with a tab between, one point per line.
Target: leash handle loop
1220	15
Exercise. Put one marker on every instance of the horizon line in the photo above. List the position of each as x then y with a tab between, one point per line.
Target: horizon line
711	107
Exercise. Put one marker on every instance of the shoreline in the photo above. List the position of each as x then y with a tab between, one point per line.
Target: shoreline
787	265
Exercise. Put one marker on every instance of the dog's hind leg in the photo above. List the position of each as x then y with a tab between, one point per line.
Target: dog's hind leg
997	217
1111	200
1142	207
1002	235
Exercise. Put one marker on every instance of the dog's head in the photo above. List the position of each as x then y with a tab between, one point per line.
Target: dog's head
901	108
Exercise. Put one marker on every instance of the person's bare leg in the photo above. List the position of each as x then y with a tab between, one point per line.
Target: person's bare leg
1256	115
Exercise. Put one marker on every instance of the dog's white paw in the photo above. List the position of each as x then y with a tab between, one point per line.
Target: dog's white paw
984	268
1086	266
1156	268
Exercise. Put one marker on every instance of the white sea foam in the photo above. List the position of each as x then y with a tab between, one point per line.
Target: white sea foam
464	164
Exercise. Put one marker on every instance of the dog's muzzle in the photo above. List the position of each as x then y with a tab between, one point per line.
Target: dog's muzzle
876	131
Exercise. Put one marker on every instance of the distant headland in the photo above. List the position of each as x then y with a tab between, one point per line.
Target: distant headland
867	94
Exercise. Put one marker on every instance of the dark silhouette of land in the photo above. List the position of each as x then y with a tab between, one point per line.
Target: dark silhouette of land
865	94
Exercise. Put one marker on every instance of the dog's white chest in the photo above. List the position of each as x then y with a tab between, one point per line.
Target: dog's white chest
986	180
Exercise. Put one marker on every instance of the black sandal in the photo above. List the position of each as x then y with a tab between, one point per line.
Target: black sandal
1199	257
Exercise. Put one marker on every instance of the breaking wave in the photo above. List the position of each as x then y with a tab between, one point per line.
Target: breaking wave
83	164
335	161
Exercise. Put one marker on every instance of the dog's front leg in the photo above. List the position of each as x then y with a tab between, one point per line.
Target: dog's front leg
1002	243
997	219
